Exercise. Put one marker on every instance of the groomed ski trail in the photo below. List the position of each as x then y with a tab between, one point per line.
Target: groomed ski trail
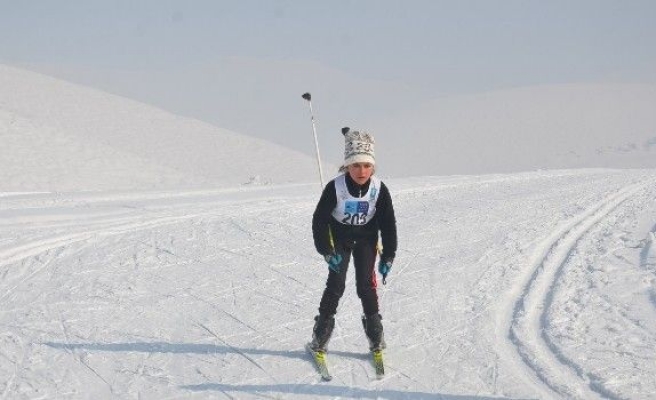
522	335
209	294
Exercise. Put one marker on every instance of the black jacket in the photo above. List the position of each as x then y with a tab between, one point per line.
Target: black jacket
383	221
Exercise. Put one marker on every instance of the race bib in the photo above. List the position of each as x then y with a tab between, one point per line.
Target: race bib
352	210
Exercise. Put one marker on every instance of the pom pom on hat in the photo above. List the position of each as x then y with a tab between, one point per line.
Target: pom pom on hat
358	147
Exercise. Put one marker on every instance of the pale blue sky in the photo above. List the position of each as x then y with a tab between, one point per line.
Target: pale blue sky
243	64
450	42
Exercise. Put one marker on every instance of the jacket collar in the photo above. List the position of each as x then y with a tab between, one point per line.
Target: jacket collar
355	189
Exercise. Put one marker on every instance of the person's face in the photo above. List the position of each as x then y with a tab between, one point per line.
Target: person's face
361	172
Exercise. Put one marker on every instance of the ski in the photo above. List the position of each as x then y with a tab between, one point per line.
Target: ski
319	358
379	365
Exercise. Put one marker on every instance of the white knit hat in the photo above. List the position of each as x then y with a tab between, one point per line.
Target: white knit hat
359	147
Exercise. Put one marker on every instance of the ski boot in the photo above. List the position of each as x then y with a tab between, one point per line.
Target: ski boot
373	328
323	329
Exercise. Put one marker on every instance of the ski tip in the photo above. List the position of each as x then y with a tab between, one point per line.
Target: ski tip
319	358
379	363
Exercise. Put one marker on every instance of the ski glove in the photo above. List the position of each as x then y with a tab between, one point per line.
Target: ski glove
334	261
384	268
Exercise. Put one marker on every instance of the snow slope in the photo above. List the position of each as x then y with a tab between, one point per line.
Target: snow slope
132	266
58	136
535	285
523	129
421	131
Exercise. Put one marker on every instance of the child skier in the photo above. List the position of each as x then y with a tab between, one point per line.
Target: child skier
352	209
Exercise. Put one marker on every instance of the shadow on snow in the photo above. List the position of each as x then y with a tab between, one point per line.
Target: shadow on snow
330	390
308	389
186	348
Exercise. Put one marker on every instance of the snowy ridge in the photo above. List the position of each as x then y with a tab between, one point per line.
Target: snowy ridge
522	129
57	136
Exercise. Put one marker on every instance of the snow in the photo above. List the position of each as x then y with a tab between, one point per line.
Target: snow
121	144
538	127
131	283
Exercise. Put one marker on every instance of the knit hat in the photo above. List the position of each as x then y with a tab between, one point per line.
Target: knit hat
359	147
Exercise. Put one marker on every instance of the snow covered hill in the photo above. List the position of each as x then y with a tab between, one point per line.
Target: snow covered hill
57	136
524	129
119	143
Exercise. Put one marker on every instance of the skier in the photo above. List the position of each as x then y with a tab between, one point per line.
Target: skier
353	208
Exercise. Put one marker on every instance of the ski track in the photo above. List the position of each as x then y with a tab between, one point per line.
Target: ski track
85	232
527	326
17	254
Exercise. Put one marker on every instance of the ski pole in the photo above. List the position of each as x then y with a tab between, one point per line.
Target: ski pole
307	96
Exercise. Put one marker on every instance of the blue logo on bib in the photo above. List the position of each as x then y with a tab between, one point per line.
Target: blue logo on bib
356	207
373	193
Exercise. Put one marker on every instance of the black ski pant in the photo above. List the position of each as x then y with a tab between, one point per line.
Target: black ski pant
364	260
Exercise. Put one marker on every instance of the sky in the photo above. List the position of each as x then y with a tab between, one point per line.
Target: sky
242	65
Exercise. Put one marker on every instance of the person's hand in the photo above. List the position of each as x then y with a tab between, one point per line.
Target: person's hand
334	261
384	267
